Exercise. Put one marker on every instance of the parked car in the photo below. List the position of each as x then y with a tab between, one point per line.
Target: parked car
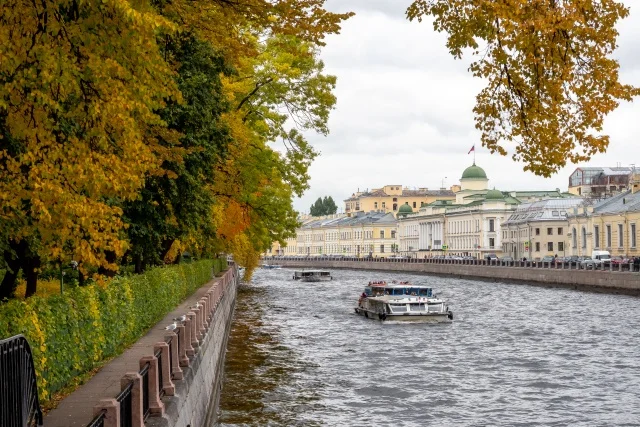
506	259
491	257
601	259
548	258
587	262
619	260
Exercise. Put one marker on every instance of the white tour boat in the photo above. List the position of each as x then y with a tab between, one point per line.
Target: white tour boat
312	275
272	266
402	302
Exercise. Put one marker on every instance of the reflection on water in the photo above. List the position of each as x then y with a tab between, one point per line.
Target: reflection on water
514	355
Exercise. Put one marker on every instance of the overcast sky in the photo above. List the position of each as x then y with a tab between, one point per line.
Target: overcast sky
404	112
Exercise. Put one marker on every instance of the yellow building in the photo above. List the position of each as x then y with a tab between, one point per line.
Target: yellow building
390	197
359	235
539	229
610	225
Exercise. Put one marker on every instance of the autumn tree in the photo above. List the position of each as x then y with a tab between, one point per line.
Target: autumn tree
551	78
173	210
79	86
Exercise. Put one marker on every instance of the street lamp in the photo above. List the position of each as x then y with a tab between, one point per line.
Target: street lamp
73	265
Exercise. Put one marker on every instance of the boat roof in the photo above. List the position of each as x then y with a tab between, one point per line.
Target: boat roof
398	285
312	271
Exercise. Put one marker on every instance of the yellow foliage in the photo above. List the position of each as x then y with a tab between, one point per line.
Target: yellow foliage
551	78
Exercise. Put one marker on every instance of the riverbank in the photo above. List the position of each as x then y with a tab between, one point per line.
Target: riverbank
609	281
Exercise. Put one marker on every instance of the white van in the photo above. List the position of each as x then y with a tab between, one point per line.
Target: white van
601	259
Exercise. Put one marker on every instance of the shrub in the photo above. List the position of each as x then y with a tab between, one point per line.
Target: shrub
72	333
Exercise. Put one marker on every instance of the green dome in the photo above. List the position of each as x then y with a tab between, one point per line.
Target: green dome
494	195
405	209
474	172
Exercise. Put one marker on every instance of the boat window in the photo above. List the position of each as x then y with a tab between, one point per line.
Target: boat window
425	292
367	291
398	307
417	307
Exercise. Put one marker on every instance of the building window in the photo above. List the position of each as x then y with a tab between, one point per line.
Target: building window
393	234
382	234
620	236
414	204
357	206
584	237
537	231
375	205
384	205
491	242
549	231
537	246
560	231
560	246
395	206
608	236
492	225
550	246
574	238
633	235
395	199
596	236
381	248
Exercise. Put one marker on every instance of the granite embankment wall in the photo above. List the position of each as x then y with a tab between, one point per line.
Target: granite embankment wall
197	395
610	281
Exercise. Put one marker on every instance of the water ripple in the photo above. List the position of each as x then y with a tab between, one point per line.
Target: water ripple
515	355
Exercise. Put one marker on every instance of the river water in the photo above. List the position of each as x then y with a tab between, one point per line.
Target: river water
515	355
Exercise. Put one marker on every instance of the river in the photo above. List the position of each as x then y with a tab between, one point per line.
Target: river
515	355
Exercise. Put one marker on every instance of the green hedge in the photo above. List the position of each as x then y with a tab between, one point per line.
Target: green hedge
71	334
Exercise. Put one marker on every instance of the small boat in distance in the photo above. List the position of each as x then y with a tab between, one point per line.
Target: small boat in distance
312	275
272	266
402	302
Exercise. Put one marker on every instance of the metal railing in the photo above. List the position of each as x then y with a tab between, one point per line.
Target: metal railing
98	420
19	405
158	355
124	399
144	373
560	264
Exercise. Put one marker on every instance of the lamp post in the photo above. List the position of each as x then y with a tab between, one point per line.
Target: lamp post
74	266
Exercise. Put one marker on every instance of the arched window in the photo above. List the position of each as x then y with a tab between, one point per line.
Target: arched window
584	237
574	237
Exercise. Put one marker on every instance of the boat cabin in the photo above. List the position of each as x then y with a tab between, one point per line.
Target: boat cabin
377	289
312	275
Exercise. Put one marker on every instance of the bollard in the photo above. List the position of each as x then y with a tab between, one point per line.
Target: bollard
137	415
112	412
193	329
167	384
175	352
156	407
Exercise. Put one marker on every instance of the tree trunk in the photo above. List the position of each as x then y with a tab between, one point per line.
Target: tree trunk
111	258
9	281
178	258
137	259
81	278
30	268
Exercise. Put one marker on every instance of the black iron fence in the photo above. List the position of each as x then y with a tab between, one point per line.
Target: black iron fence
19	405
559	264
125	401
98	420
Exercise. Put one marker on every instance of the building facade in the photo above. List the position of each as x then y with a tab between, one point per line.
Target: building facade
362	234
600	182
539	229
611	224
391	197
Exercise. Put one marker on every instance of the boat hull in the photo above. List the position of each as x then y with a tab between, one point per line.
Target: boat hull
406	317
314	279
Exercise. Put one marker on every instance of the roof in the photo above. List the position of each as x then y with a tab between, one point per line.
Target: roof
360	218
474	172
494	195
405	209
623	202
405	193
544	210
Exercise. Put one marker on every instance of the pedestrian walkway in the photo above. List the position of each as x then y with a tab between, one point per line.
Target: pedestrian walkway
76	410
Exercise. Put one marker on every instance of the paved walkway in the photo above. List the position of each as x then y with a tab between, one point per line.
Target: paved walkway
77	409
